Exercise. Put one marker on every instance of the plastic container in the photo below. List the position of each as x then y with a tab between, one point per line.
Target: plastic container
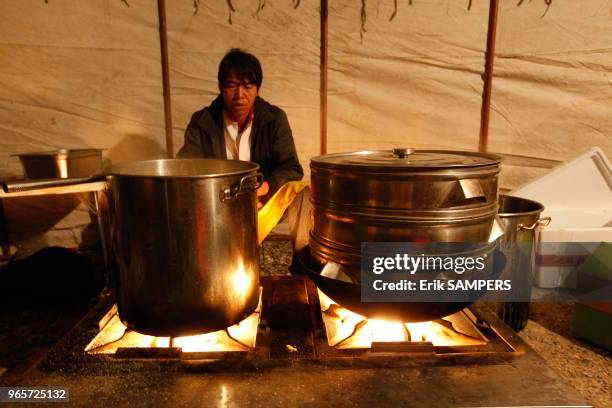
578	199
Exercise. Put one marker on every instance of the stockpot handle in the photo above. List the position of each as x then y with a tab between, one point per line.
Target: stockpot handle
18	186
542	222
244	186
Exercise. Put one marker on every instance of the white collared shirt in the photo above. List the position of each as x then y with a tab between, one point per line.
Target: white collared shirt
231	129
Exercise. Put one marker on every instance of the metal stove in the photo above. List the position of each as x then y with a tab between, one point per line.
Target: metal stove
302	348
114	338
294	324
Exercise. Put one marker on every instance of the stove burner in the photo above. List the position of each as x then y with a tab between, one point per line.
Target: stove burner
348	330
294	325
115	338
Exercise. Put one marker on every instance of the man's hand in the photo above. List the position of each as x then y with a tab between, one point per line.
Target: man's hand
262	191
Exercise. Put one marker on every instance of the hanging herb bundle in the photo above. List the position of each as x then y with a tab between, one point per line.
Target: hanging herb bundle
363	15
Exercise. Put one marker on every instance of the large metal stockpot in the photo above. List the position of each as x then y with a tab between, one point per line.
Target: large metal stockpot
400	195
185	244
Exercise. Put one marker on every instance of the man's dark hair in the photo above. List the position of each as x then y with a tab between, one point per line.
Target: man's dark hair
246	65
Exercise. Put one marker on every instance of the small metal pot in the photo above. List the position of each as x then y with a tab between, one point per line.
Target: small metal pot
521	217
62	163
185	244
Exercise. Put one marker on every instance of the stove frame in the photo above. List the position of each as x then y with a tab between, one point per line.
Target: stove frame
291	333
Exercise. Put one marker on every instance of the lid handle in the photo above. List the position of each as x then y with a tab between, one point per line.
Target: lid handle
402	152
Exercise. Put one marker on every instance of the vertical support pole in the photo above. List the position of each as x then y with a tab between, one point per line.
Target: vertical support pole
163	39
323	89
488	77
5	248
101	231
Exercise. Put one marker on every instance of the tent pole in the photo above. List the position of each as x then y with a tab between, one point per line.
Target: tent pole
488	77
323	90
163	37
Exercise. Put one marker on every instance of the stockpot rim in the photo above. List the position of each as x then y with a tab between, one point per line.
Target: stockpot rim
125	169
503	197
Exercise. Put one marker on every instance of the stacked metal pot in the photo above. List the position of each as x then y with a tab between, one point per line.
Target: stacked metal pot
402	195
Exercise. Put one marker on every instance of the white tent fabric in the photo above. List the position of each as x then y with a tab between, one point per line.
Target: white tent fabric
79	74
552	90
88	74
286	40
73	75
413	81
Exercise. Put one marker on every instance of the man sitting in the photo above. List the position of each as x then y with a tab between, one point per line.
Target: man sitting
241	125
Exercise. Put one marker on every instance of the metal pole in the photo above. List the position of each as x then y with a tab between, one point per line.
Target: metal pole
4	237
488	77
163	37
101	231
323	91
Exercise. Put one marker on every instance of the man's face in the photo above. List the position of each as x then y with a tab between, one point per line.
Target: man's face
239	95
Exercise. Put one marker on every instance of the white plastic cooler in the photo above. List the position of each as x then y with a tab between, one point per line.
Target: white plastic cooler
577	195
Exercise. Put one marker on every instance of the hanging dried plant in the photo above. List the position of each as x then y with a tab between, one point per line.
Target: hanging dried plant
363	19
125	2
547	2
394	10
469	5
196	6
260	6
231	8
296	3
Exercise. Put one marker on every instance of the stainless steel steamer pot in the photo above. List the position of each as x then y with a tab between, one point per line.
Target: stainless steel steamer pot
399	195
185	244
402	195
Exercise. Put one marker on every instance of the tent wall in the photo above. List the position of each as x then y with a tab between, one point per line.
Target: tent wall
88	74
75	74
285	40
414	81
552	91
80	74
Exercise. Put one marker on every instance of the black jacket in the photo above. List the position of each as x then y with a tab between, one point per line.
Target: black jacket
272	145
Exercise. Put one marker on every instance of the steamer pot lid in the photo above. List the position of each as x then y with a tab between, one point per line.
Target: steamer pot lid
405	158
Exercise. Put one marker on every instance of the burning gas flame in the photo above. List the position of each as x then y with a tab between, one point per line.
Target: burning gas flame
114	335
241	281
62	166
382	330
346	329
196	343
